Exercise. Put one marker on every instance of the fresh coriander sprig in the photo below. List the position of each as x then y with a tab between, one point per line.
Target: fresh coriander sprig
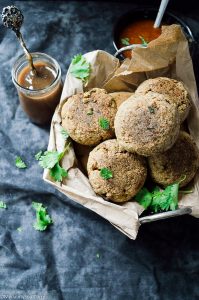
159	200
51	160
20	164
43	220
80	68
165	200
58	173
106	173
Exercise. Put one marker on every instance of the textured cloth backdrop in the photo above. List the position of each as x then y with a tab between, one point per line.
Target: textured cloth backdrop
81	256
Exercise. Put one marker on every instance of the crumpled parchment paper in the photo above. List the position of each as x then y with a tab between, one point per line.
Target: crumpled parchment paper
167	56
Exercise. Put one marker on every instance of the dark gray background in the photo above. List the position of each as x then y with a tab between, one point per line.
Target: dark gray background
62	263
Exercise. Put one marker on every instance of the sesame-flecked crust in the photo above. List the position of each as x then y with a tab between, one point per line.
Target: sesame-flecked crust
81	113
147	124
181	160
171	87
129	171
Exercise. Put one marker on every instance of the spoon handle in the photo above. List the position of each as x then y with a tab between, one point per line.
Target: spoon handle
160	14
27	53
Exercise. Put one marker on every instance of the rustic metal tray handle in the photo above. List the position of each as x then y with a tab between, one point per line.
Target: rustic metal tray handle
130	47
133	46
165	215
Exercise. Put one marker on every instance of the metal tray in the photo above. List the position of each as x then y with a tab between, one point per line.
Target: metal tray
165	215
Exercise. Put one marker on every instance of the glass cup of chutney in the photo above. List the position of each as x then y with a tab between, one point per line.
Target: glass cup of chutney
40	91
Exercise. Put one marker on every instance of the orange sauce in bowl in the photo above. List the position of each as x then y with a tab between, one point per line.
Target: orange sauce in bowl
133	32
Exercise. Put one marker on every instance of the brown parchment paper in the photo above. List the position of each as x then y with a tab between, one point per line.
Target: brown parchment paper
166	56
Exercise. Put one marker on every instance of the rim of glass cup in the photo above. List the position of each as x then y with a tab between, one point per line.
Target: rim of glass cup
21	59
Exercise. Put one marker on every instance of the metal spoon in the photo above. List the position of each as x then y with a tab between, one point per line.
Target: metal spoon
12	18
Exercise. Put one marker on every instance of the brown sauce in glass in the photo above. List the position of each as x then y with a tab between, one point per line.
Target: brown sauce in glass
42	79
143	28
41	105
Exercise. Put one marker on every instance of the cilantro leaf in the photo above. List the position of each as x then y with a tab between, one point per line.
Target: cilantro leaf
19	163
165	200
144	42
38	155
80	68
43	219
3	204
106	173
159	200
64	133
58	173
49	159
97	255
173	190
19	229
144	197
125	41
104	123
